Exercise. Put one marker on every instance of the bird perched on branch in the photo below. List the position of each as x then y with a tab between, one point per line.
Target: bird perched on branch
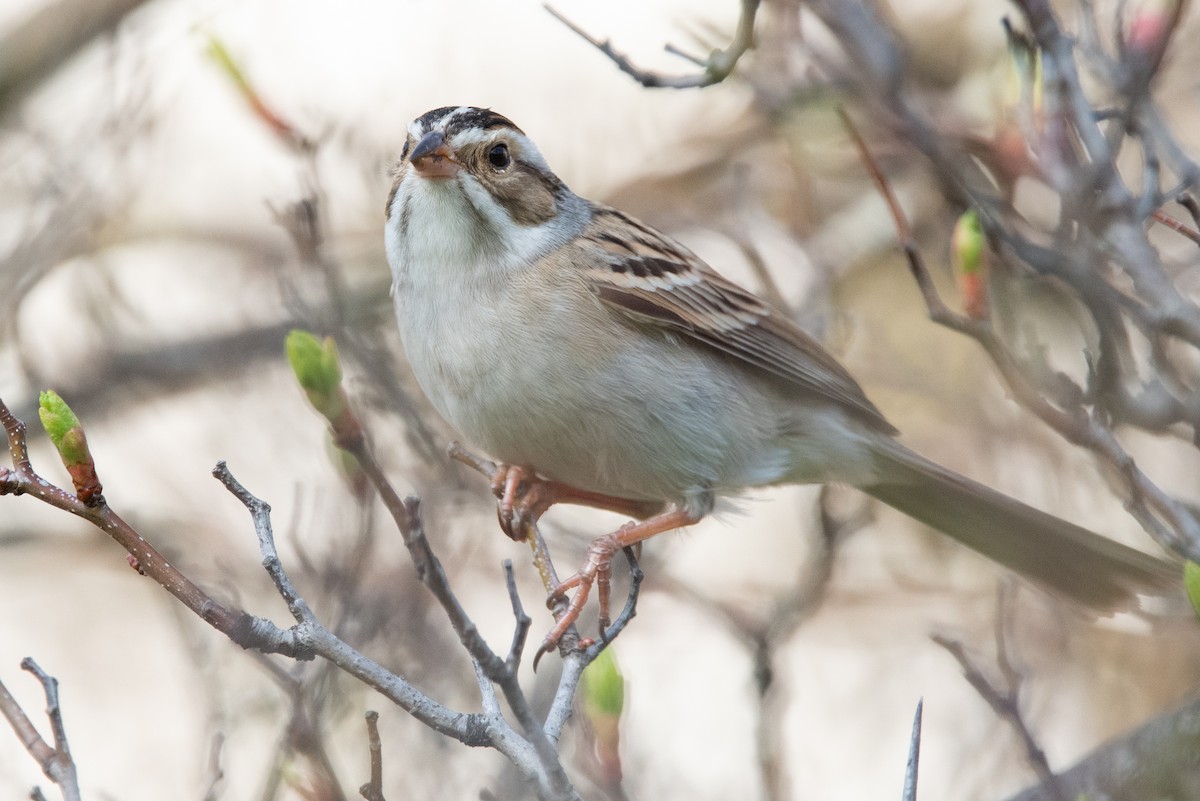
605	364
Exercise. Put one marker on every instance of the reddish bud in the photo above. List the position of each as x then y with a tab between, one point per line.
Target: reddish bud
67	435
1149	32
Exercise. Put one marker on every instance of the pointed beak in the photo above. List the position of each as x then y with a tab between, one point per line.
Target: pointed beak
433	158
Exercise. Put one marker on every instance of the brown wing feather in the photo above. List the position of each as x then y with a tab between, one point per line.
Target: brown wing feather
653	280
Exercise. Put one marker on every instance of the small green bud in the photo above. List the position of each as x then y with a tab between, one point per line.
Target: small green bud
970	257
604	686
318	371
64	429
69	440
970	246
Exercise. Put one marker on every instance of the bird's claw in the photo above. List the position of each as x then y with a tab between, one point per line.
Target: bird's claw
596	570
516	489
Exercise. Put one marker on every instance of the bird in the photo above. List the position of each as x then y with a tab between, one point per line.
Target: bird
603	363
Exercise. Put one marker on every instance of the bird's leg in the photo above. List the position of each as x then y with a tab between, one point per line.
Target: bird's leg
597	568
524	497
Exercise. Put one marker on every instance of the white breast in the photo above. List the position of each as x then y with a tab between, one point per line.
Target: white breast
453	270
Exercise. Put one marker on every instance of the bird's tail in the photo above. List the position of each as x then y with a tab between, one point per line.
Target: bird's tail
1069	560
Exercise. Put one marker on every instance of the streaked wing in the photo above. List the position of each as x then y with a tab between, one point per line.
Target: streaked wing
653	280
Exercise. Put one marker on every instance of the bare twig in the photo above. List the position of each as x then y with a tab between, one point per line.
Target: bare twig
319	640
500	671
717	67
1005	701
1146	502
1162	217
537	545
523	621
240	627
373	789
914	756
54	760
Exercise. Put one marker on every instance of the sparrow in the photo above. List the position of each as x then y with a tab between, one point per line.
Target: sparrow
603	363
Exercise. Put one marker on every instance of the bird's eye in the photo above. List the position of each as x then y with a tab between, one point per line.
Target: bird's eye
498	156
407	147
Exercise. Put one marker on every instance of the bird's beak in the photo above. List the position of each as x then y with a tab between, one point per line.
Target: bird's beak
433	158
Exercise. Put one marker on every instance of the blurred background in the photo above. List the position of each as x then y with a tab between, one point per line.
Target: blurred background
158	238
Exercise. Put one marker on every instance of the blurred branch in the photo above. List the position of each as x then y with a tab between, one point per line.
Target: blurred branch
1005	701
54	760
1163	218
36	48
68	231
718	66
1163	517
1156	760
304	222
763	640
303	736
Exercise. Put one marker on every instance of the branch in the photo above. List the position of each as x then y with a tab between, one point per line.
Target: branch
1146	501
319	641
1162	751
308	638
1005	701
243	629
55	761
373	789
914	756
716	68
34	51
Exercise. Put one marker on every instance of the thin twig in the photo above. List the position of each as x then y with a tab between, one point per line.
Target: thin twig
717	67
1005	704
429	569
1146	499
537	544
373	789
914	756
628	612
243	629
523	621
1162	217
312	638
1005	701
260	513
54	760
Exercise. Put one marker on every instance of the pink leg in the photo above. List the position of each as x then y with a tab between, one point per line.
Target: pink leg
524	497
597	569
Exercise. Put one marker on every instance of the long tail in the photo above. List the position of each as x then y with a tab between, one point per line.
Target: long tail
1070	560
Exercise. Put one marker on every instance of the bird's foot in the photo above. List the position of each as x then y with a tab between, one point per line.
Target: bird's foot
524	496
597	570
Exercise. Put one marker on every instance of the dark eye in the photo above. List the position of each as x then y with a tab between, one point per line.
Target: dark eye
498	156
